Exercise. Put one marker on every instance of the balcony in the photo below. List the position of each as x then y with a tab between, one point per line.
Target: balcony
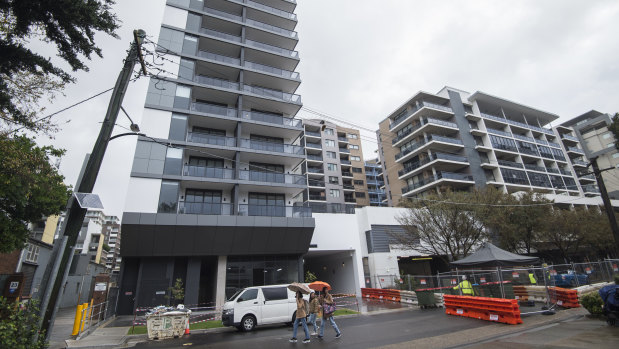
312	134
318	207
272	10
569	138
553	170
272	49
421	105
285	32
220	35
575	150
274	211
215	82
437	177
436	156
504	147
431	138
534	168
219	58
524	138
348	187
344	150
272	177
316	183
345	162
350	199
342	139
590	188
311	157
206	208
530	151
346	174
315	170
541	141
272	119
223	14
317	197
510	163
208	172
313	145
555	145
588	177
499	132
270	93
518	124
579	163
272	147
423	122
565	172
213	109
205	138
272	70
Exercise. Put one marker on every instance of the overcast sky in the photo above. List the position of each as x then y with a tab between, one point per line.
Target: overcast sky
362	59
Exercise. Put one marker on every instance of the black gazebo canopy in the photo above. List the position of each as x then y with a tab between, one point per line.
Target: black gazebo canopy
492	256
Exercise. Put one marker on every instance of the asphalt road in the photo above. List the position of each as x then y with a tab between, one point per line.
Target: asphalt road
363	331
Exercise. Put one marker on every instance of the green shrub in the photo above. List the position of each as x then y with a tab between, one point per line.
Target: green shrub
592	302
19	325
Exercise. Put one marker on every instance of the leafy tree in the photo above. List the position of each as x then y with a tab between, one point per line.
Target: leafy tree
446	224
70	25
614	128
19	325
177	292
30	187
310	277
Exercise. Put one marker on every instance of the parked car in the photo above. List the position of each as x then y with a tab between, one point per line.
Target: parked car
570	279
260	305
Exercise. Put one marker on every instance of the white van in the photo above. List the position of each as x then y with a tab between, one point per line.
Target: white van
260	305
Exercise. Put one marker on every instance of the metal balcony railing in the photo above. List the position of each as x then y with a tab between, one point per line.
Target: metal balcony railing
421	105
274	211
272	70
267	92
272	177
208	172
213	109
272	119
272	147
205	208
205	138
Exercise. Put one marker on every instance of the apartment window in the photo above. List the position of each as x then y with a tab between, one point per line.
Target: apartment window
503	143
335	193
329	131
199	201
330	143
353	146
32	255
545	151
352	136
359	194
539	179
357	170
168	197
332	167
570	183
331	154
334	180
355	158
358	182
514	176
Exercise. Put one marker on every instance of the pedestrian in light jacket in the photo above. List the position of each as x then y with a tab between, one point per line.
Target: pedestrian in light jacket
326	298
315	311
300	318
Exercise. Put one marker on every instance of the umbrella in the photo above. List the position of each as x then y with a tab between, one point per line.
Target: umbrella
319	285
295	286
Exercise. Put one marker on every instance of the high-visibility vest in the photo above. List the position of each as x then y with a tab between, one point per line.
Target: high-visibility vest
466	287
532	279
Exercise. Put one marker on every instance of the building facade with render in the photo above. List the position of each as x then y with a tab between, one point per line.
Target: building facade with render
216	195
462	140
591	130
334	167
375	182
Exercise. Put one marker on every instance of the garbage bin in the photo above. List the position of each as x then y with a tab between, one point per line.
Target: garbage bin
425	297
170	324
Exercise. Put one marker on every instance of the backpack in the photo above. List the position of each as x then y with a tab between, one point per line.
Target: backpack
306	306
328	308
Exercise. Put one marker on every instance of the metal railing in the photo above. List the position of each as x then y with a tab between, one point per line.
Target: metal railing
205	138
208	172
272	146
272	177
91	316
272	119
272	70
267	92
213	109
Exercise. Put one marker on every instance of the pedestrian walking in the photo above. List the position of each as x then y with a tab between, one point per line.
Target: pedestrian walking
315	310
328	307
301	314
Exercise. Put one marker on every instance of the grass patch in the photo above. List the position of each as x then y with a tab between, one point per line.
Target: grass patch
345	312
196	326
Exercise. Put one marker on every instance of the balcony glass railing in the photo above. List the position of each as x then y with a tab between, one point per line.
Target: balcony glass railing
272	177
555	145
579	163
575	150
272	48
504	147
346	174
267	92
315	170
498	132
589	176
219	58
274	211
272	70
315	183
272	146
348	187
345	162
314	157
218	209
454	176
208	172
220	35
438	176
223	14
272	10
344	150
530	151
524	138
221	83
205	138
571	138
318	197
421	105
278	30
313	145
517	123
342	139
552	170
541	141
590	188
435	156
534	167
213	109
510	163
272	119
312	133
444	139
565	172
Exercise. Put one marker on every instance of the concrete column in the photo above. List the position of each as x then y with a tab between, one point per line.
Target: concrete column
300	264
220	294
192	281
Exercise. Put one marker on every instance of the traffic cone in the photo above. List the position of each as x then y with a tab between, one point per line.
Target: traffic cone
187	328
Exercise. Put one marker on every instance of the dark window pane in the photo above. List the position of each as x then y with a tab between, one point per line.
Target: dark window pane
275	293
178	127
249	295
168	197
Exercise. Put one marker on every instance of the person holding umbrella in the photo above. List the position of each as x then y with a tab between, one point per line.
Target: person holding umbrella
328	306
301	313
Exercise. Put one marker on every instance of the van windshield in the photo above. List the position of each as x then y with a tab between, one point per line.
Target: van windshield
235	294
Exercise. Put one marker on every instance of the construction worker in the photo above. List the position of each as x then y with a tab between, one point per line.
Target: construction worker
465	286
532	278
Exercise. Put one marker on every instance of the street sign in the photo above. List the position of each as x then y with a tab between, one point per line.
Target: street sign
100	286
13	286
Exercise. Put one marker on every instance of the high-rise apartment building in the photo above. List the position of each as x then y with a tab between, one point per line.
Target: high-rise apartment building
111	233
458	139
335	170
375	182
216	195
591	130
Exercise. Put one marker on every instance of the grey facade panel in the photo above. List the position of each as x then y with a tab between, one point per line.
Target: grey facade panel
380	236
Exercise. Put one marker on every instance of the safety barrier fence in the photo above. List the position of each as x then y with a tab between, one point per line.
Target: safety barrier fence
564	297
88	315
489	309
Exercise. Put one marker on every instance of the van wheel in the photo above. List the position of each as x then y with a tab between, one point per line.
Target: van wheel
248	323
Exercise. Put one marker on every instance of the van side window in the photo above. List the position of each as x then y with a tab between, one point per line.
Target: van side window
274	293
249	295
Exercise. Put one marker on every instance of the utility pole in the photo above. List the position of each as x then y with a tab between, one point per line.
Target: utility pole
609	208
75	213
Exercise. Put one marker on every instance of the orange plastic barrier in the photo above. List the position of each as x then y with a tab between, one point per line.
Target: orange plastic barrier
564	297
490	309
379	293
520	293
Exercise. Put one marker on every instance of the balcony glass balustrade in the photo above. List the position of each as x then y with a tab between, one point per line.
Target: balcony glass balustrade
534	168
221	35
272	70
575	150
431	138
565	172
315	170
312	133
318	197
267	92
205	208
278	30
315	183
524	138
314	157
579	162
348	187
272	177
219	58
271	146
213	109
541	141
552	170
272	48
571	138
498	132
554	145
223	14
346	174
270	9
516	123
274	211
422	104
438	176
435	156
272	119
590	188
342	139
510	163
205	138
313	145
344	150
215	82
208	172
345	162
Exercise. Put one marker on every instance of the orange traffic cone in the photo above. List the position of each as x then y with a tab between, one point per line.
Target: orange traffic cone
187	328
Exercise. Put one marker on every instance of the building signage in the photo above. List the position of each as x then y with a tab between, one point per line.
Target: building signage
159	292
515	274
482	280
13	286
423	281
100	286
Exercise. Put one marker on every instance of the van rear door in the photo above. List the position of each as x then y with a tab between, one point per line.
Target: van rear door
275	305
